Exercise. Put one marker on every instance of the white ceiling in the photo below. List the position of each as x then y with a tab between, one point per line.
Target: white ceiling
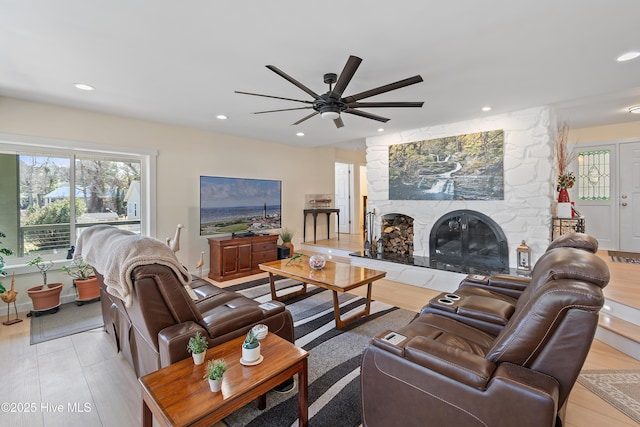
179	62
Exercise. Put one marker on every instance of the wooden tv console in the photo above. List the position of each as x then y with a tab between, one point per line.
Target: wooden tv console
233	257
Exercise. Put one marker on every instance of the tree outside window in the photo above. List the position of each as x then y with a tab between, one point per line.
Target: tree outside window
43	212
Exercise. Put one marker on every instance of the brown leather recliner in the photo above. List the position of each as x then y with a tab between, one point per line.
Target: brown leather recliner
153	332
498	285
445	372
489	301
152	316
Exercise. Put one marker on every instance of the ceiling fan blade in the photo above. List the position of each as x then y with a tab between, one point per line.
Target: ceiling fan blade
284	109
292	80
275	97
305	118
338	122
366	115
346	75
382	89
384	104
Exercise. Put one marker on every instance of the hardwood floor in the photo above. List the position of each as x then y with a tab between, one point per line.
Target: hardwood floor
83	372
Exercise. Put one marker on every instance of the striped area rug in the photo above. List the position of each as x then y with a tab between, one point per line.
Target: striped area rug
334	356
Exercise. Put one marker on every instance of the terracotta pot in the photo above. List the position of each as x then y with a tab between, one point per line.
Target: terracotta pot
87	289
45	298
563	196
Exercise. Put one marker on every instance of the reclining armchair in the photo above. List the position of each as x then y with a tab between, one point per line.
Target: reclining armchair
151	306
487	302
499	285
439	371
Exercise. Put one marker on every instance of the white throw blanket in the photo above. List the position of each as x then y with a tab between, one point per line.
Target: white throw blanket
114	253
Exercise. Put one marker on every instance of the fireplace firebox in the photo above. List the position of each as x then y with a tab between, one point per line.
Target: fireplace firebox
469	241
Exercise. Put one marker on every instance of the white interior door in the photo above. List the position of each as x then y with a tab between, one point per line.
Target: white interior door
344	189
629	199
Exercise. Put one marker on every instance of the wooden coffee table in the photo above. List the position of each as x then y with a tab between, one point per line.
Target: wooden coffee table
177	395
335	276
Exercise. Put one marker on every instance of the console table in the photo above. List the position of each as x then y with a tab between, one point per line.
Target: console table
314	213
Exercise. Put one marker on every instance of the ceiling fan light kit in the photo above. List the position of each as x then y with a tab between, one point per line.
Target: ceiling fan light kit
331	104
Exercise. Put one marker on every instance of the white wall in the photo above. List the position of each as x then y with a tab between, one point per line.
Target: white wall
183	155
529	176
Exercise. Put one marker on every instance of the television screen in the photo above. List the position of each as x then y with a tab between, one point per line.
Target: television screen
237	205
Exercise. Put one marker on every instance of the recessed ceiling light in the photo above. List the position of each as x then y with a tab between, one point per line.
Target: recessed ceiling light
300	134
83	86
635	109
380	129
486	108
628	56
221	117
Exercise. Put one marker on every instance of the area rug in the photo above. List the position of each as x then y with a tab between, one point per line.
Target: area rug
620	388
334	356
628	257
70	319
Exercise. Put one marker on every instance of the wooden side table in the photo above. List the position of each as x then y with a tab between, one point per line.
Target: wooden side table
177	395
314	213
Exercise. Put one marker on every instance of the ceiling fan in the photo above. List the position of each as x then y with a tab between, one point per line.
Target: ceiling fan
331	104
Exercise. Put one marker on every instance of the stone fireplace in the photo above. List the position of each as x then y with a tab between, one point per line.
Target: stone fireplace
524	213
468	241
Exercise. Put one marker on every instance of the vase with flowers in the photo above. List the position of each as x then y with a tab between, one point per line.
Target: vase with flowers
564	156
565	181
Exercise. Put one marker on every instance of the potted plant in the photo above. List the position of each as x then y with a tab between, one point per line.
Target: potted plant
84	280
197	346
215	371
251	348
45	297
3	251
287	235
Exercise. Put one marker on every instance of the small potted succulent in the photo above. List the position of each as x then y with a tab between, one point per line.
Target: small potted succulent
215	371
251	348
197	346
45	297
86	283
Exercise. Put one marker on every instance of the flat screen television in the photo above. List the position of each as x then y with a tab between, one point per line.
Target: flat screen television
239	205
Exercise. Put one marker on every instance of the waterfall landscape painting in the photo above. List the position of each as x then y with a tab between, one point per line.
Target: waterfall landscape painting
462	167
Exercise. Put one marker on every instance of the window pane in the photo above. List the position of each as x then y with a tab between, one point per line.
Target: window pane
44	204
594	175
108	191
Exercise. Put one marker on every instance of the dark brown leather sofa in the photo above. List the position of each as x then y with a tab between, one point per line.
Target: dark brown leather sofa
152	329
449	373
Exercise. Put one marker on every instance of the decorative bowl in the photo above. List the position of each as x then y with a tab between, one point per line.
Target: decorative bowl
317	262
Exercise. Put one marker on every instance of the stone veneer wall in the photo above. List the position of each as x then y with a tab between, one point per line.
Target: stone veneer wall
526	211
